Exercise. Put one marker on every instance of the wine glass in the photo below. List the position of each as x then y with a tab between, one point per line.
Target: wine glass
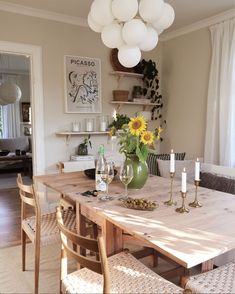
107	175
126	175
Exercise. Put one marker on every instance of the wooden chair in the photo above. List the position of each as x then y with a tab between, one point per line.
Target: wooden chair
219	280
40	229
120	273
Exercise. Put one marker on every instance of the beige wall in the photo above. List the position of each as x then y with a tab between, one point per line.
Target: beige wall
185	73
59	39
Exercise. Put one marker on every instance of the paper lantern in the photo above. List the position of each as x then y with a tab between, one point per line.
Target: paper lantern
124	10
112	35
151	10
134	31
9	92
150	41
101	12
167	18
129	56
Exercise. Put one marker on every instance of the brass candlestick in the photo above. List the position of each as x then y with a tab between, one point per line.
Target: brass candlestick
182	209
170	202
196	203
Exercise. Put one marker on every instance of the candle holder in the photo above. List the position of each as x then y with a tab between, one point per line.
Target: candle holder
196	203
182	209
170	202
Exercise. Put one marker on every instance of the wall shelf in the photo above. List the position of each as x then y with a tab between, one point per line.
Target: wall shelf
145	105
126	74
68	135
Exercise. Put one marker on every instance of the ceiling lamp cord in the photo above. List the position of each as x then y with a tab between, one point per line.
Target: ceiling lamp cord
130	26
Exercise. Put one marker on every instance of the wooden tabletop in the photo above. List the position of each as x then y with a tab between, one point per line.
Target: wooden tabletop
189	239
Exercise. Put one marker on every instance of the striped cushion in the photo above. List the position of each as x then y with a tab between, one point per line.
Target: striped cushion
152	161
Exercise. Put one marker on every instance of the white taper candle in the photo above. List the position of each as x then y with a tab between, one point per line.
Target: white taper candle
184	181
197	170
172	161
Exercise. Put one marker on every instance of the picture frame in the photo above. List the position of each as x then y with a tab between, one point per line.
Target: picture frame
25	111
82	84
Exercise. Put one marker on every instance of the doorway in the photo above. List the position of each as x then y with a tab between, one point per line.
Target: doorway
34	55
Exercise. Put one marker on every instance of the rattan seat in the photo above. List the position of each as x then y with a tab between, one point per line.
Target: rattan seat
219	280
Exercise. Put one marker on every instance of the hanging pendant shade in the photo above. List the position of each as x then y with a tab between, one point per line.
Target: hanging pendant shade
9	93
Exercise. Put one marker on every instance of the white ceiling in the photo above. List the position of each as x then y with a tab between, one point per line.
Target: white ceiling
186	11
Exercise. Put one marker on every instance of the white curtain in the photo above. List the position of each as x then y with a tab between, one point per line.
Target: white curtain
220	127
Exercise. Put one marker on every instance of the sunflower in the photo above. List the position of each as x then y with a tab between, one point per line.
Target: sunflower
137	125
158	132
147	138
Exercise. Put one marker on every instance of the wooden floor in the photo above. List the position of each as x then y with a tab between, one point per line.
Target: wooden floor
9	217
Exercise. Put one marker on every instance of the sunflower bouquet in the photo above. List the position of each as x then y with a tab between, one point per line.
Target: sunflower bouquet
136	139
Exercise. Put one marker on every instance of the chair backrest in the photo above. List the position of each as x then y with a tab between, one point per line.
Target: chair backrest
28	197
96	246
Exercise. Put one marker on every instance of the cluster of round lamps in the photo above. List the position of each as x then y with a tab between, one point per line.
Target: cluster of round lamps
131	26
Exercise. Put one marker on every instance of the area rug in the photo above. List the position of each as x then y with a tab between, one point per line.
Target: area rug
13	280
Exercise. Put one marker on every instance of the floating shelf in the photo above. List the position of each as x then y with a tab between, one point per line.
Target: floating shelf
69	134
126	74
120	103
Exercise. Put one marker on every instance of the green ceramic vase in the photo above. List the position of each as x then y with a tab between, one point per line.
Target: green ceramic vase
140	170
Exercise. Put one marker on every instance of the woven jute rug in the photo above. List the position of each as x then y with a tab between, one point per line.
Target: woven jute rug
13	280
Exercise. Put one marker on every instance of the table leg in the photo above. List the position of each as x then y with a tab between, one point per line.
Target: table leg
184	278
207	265
112	236
81	225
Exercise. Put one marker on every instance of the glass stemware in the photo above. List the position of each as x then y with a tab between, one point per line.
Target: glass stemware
107	175
126	175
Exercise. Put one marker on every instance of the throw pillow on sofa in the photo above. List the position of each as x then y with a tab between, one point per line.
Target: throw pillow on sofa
189	165
153	157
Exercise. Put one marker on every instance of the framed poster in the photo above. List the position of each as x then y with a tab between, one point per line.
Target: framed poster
82	84
25	111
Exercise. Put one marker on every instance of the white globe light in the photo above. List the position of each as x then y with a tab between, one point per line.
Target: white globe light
129	56
124	10
112	35
167	18
134	31
101	12
3	102
9	92
151	10
93	25
150	41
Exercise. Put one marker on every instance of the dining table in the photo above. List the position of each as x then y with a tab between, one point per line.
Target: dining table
189	239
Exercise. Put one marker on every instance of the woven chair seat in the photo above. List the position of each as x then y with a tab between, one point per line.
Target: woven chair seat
49	230
128	275
219	280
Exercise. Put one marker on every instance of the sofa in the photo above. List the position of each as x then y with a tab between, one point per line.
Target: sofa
12	144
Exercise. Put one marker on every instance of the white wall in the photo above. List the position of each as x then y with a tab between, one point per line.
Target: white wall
185	74
59	39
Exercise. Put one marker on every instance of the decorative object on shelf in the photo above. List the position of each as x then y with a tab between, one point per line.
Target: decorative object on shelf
147	115
120	95
26	112
103	122
76	126
83	147
89	124
130	28
118	121
136	92
151	85
134	141
82	84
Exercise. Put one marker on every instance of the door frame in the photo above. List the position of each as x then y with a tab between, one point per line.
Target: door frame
36	91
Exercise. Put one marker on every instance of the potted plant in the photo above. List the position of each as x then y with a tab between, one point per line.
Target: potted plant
151	86
83	147
118	121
